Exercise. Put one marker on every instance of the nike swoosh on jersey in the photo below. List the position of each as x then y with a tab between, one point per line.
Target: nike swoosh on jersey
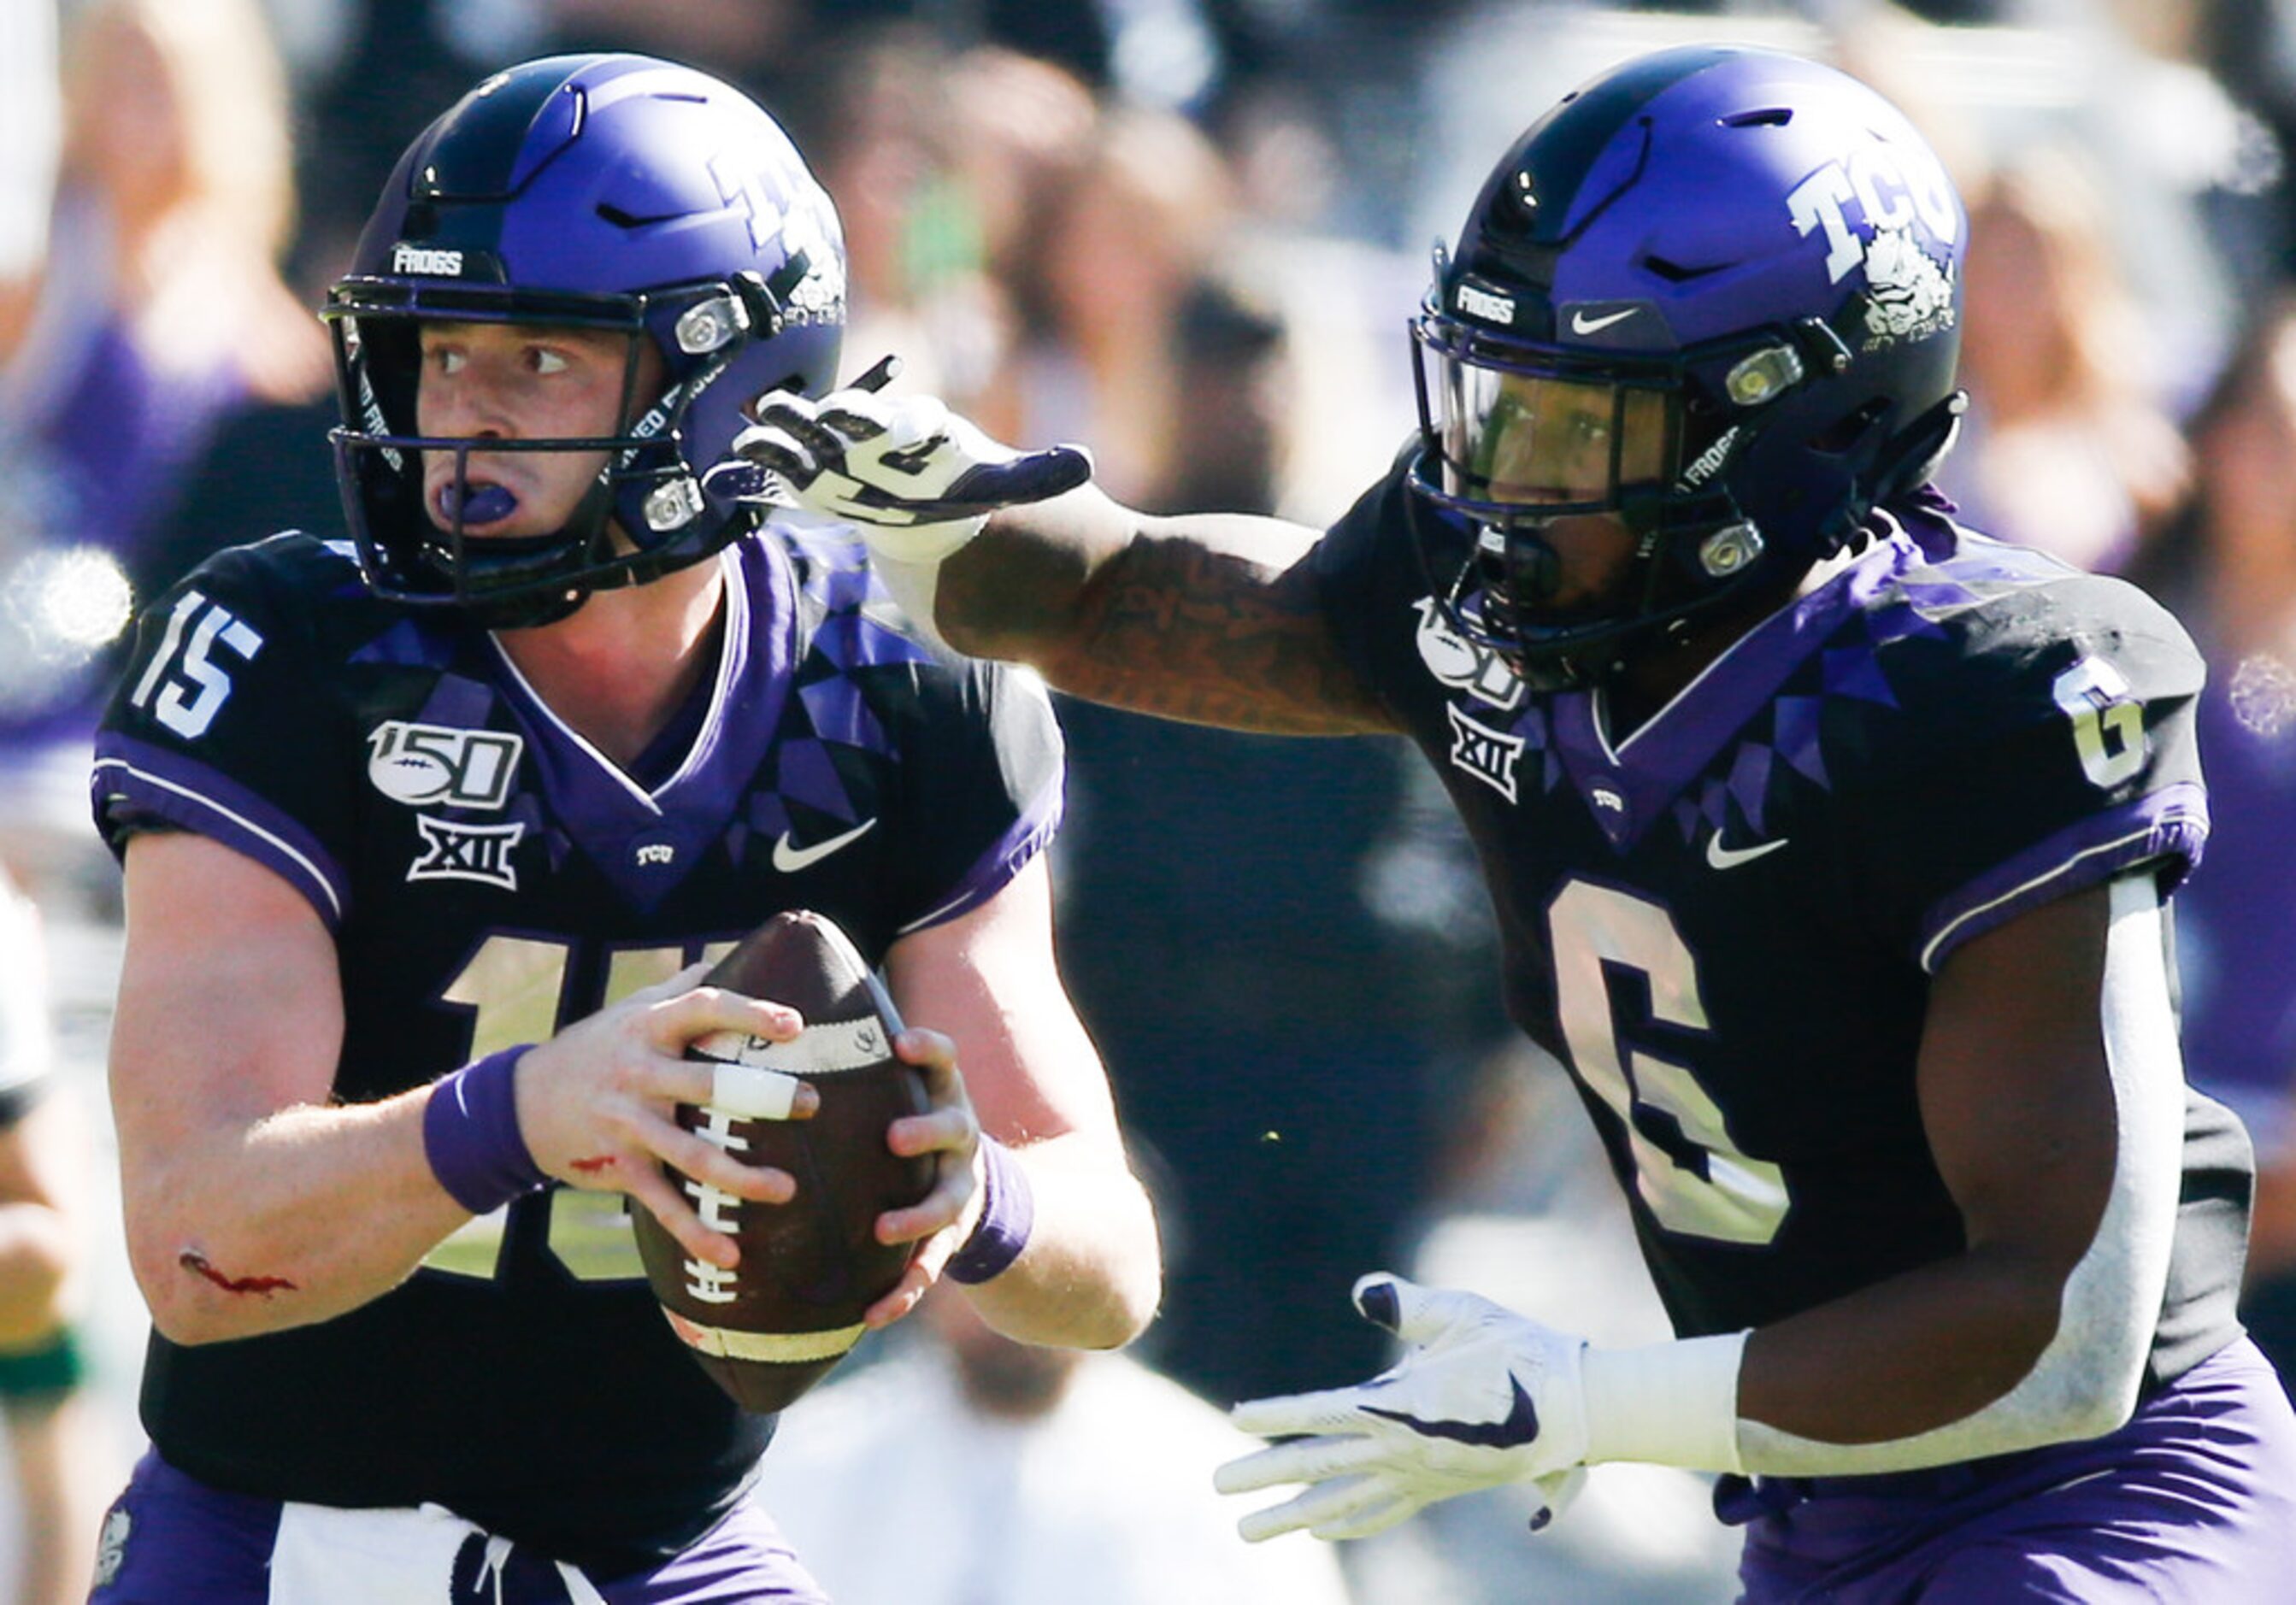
1519	1427
1580	323
1730	858
788	857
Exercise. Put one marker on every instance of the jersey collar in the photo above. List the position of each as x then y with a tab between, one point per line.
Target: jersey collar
647	840
1630	785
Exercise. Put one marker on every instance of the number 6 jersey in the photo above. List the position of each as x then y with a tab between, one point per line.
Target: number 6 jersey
489	877
1725	924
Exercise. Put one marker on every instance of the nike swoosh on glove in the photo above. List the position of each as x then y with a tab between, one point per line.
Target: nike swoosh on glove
891	462
1482	1396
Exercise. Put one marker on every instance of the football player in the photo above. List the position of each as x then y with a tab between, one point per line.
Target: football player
428	834
1830	841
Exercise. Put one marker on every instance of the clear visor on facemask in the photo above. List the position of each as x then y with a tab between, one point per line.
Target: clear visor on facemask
1520	438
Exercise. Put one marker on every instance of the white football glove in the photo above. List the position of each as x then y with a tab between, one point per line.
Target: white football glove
1484	1396
919	479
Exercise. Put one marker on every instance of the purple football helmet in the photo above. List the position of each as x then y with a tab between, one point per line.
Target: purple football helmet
1714	293
610	193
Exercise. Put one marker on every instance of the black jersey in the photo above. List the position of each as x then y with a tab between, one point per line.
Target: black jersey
1727	923
488	877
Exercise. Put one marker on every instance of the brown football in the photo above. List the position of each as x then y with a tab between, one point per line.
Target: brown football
774	1325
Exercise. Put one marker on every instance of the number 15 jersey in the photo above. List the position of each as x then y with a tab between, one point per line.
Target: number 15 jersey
488	877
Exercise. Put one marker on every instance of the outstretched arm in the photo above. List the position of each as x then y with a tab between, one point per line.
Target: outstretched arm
1212	618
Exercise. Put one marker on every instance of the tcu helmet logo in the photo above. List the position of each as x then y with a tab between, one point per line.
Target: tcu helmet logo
420	764
819	296
1893	188
1910	296
1457	661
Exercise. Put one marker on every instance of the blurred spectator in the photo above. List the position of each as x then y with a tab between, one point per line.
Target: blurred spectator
940	164
2067	446
1025	128
1233	381
744	40
2247	49
1133	235
969	1470
1162	53
2229	572
2197	197
31	130
54	1451
160	311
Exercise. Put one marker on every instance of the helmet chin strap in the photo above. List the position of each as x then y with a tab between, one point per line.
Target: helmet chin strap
530	610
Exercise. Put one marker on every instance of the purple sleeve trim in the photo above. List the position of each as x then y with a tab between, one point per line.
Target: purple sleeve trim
2170	824
1008	1213
1006	857
135	782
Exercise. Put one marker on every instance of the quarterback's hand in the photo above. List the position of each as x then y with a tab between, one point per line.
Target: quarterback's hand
945	1216
597	1103
918	478
1483	1397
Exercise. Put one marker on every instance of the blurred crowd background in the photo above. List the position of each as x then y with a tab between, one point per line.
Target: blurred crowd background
1188	233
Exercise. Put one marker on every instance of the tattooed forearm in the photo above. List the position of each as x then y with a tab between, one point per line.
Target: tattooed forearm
1013	592
1209	620
1212	636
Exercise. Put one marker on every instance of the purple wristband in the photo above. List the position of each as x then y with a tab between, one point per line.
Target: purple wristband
1008	1209
471	1136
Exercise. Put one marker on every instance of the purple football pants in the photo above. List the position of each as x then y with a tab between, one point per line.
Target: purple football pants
2194	1502
170	1539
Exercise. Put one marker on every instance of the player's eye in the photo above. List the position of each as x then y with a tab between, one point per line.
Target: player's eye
547	360
445	359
